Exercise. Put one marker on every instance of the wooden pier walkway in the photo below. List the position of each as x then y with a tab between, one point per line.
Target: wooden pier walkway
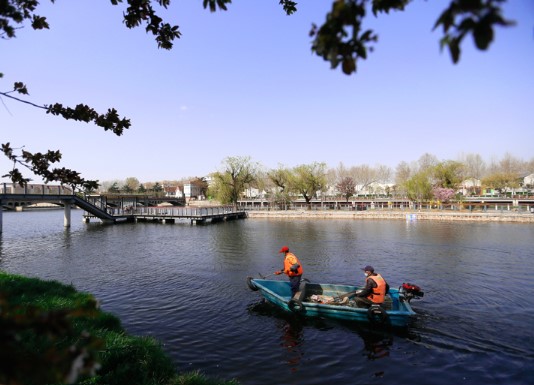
116	209
171	214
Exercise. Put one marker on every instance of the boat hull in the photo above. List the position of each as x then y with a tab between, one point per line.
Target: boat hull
398	313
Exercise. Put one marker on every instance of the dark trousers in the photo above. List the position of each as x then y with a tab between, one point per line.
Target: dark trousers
294	282
363	302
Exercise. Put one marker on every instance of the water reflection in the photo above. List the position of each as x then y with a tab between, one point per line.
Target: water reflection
292	337
376	344
185	285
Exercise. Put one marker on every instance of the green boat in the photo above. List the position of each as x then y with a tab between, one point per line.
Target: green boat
326	300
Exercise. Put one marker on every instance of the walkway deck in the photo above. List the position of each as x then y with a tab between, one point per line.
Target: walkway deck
170	214
113	213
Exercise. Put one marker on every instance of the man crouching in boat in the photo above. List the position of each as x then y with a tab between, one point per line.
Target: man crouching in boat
292	268
375	289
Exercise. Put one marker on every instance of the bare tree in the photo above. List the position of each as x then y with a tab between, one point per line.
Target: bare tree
474	166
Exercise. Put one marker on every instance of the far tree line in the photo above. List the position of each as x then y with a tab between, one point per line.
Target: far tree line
428	178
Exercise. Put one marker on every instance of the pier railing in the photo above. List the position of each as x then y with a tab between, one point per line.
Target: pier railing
500	205
183	212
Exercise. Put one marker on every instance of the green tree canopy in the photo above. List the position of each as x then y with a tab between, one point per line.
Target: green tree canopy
238	172
280	177
114	188
418	187
157	188
501	181
447	174
308	179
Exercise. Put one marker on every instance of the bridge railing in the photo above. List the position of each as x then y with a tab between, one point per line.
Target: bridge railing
34	189
183	211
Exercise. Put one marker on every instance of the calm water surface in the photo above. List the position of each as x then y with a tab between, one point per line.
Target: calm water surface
185	285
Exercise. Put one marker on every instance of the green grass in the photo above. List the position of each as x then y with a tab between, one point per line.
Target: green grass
46	325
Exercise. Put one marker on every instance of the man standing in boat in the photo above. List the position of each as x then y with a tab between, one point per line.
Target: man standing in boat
375	289
292	268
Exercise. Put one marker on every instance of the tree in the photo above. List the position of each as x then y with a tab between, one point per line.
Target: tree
280	177
402	174
510	165
474	166
418	187
114	188
340	40
443	194
346	187
202	184
262	182
501	181
131	184
141	189
127	189
365	175
238	173
307	179
426	162
157	188
447	174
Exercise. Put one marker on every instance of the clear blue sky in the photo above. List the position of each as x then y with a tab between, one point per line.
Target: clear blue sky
245	83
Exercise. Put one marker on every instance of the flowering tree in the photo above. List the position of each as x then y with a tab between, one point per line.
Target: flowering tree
443	194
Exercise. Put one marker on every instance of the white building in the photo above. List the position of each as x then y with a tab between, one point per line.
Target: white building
173	192
193	191
528	181
471	186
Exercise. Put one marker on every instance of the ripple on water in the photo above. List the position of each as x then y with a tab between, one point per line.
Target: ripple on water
185	285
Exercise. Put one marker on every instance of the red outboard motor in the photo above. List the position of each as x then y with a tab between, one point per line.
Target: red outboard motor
409	291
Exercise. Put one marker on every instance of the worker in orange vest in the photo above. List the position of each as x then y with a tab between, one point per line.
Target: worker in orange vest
375	289
292	268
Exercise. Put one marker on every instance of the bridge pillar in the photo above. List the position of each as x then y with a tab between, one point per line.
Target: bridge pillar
1	215
66	216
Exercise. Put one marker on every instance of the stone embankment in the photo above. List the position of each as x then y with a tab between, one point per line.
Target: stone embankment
496	216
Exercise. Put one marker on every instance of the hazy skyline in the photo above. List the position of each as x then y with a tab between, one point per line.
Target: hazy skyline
245	83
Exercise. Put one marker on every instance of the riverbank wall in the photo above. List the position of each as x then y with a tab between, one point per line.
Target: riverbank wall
504	216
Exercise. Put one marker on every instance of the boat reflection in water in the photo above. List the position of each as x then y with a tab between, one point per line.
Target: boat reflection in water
295	335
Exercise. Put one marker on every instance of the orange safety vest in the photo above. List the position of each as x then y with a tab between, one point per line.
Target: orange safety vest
289	261
379	292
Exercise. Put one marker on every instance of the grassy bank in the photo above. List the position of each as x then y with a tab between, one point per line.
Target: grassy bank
50	333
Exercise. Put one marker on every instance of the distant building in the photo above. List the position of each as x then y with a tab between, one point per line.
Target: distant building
173	191
194	191
374	189
528	181
471	186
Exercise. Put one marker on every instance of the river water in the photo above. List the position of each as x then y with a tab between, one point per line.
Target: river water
186	286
